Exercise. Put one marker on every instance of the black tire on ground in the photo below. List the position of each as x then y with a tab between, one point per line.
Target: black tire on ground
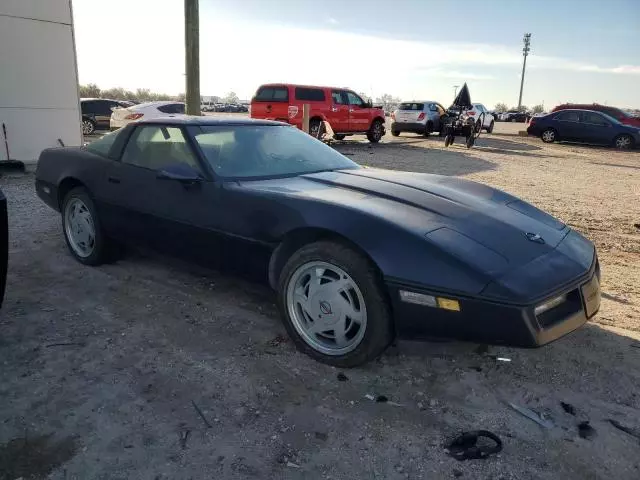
339	136
549	135
448	140
379	331
491	125
470	141
104	249
478	126
375	131
395	133
623	142
428	129
88	126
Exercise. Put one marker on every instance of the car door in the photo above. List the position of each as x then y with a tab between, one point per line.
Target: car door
102	111
595	128
161	192
358	113
568	125
339	116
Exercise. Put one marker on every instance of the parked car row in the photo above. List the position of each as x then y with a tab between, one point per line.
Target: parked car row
224	107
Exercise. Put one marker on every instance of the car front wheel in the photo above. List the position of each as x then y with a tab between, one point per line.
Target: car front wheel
623	142
491	125
334	306
82	230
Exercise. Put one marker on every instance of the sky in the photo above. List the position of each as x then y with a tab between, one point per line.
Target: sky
581	50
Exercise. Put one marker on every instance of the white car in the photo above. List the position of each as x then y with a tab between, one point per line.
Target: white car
488	121
144	111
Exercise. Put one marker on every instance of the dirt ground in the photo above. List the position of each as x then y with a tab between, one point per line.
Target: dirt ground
153	369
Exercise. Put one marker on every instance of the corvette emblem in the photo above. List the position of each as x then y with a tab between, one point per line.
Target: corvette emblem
534	237
325	307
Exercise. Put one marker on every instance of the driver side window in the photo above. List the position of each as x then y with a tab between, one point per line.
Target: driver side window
157	147
354	99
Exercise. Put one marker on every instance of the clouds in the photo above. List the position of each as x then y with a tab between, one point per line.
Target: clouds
332	21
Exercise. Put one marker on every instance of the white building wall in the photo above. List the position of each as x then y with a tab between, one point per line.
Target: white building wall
38	77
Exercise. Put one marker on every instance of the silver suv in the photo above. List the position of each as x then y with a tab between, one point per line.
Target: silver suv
422	117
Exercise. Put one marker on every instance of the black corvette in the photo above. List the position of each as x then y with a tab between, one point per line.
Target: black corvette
356	255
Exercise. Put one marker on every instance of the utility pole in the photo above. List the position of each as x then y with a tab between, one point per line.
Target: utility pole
192	56
455	90
525	51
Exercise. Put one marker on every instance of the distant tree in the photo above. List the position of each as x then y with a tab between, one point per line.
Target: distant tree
144	95
89	91
231	97
523	108
181	97
387	101
117	93
537	109
501	107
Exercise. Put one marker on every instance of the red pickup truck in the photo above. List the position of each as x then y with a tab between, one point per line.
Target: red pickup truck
343	109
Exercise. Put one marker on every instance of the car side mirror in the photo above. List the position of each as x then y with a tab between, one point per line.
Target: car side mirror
180	173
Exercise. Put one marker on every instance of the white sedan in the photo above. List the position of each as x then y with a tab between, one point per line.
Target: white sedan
144	111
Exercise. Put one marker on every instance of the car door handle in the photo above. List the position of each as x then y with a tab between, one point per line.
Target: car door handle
334	109
351	110
113	180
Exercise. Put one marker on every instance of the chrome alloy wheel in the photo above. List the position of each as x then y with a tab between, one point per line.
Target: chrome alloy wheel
79	227
326	308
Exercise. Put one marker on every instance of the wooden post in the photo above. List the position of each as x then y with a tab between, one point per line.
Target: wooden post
192	56
306	110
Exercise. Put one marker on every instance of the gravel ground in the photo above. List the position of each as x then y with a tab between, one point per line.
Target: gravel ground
153	369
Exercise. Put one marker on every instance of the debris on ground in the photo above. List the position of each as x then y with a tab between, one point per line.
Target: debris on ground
465	446
292	465
342	377
567	407
183	439
531	415
381	399
586	431
634	432
204	419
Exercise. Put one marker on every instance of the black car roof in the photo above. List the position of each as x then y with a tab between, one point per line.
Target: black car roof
208	120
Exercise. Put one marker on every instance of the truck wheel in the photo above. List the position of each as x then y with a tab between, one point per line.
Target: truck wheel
395	133
339	136
376	131
316	128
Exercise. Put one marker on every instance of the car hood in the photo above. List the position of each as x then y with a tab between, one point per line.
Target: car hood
484	226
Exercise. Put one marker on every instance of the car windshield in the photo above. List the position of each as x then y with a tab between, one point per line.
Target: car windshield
258	151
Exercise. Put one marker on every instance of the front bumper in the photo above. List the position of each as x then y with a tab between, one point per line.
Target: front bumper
497	323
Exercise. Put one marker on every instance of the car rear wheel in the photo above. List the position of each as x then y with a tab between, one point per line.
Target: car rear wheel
491	125
316	128
428	129
376	131
623	142
549	135
82	230
88	127
395	133
333	304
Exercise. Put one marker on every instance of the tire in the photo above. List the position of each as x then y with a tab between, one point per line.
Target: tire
339	136
623	142
376	131
316	128
428	129
99	249
470	141
448	140
549	135
334	261
491	125
395	133
513	120
88	126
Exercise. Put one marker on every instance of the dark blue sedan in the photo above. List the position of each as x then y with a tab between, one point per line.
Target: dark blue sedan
584	126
